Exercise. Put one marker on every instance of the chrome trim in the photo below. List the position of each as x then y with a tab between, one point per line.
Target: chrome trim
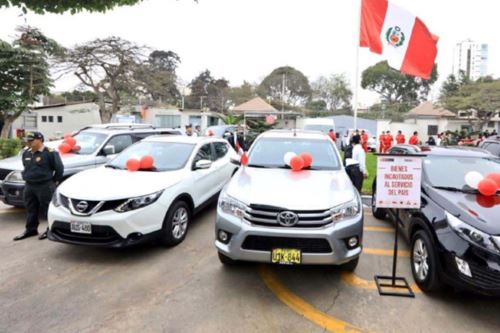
77	213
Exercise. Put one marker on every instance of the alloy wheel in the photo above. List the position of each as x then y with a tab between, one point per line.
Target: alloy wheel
420	259
180	222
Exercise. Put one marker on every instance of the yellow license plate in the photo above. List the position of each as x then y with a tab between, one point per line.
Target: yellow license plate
286	256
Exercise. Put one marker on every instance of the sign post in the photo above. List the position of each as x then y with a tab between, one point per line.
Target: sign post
399	180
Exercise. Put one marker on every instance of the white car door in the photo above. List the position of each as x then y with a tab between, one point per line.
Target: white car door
204	180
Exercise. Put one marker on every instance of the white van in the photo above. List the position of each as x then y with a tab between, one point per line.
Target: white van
323	125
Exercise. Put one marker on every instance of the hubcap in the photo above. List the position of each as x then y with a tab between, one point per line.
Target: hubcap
179	222
420	260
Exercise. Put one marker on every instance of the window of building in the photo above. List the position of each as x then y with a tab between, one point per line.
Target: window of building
213	121
491	124
432	130
44	119
170	121
51	119
59	119
195	120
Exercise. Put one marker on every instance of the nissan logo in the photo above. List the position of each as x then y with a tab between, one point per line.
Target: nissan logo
82	206
288	219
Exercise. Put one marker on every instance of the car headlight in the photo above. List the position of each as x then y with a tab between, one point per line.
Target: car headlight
138	202
231	206
473	235
346	210
56	198
14	177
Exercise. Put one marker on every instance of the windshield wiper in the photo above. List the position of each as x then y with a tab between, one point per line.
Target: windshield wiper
112	166
455	189
258	166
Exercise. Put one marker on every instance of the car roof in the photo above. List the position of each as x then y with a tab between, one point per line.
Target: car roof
127	128
182	139
457	151
493	138
295	134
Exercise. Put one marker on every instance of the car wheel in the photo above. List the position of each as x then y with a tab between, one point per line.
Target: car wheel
350	266
225	260
424	262
176	223
378	213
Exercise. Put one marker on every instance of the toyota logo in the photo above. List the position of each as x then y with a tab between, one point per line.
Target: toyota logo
288	219
82	206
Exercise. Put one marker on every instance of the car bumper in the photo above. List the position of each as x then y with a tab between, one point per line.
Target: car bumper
12	193
484	266
109	228
319	246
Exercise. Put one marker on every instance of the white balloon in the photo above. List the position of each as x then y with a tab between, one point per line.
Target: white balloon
288	157
472	178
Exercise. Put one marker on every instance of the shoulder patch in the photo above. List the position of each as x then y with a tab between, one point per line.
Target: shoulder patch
50	150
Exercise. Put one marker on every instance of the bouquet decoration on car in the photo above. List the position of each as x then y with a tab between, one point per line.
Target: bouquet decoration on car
145	163
298	162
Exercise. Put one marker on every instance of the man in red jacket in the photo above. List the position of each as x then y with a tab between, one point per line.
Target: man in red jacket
364	141
389	139
400	138
414	138
381	141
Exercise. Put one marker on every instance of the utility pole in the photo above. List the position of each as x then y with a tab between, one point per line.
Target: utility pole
201	102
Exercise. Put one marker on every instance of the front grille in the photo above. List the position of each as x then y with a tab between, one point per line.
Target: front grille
100	234
90	206
306	245
4	173
483	277
268	216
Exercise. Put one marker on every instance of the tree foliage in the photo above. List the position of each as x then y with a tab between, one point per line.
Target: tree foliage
206	91
73	6
396	87
24	73
241	94
297	88
333	91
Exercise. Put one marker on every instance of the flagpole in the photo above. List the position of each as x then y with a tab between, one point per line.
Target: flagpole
356	78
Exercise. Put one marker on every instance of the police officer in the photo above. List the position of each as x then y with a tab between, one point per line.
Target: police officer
43	170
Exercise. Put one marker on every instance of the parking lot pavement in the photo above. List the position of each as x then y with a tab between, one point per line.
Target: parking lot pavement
46	286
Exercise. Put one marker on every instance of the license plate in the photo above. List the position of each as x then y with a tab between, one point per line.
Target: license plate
81	227
286	256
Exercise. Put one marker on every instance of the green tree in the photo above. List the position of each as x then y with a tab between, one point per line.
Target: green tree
207	91
395	87
334	91
24	73
241	94
74	6
231	118
297	90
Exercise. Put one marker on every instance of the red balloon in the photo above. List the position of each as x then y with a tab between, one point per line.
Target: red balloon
146	162
244	159
64	148
297	163
133	164
308	159
76	149
487	187
485	201
70	141
495	176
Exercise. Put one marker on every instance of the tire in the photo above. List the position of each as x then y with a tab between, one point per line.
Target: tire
176	224
225	260
424	262
378	213
350	266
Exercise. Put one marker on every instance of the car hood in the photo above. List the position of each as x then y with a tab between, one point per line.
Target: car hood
12	163
111	184
477	210
303	190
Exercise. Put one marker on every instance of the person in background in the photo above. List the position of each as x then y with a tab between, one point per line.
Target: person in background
494	132
364	140
486	134
438	140
332	135
356	166
389	140
381	141
444	139
189	130
197	130
431	141
400	138
43	171
414	139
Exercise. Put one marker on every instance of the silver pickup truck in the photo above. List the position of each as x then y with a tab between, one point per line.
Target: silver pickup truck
98	144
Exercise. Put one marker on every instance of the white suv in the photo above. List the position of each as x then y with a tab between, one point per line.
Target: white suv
113	207
269	213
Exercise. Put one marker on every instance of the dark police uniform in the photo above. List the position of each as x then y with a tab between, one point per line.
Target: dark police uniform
42	169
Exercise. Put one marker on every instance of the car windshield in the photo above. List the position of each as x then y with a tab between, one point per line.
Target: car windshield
450	171
269	152
88	142
167	156
319	128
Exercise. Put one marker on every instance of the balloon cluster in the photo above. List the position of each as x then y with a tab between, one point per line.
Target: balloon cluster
145	163
69	144
298	162
487	186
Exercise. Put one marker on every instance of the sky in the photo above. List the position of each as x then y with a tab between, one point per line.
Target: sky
246	39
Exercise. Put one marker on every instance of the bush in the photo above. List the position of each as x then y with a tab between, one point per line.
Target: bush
9	147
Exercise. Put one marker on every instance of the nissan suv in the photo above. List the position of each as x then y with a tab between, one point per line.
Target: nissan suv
98	145
270	213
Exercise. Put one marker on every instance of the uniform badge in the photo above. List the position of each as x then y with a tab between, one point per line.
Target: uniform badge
38	159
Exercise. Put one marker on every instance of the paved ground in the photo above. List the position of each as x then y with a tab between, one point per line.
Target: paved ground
45	286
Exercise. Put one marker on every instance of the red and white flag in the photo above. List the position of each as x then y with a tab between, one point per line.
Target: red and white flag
399	36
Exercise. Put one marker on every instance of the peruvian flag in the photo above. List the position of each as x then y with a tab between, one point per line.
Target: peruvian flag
401	37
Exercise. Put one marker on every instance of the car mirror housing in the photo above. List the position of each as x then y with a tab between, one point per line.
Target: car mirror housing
203	164
235	160
108	150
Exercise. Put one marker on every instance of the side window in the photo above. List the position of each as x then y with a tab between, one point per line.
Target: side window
221	150
143	135
493	148
205	153
120	142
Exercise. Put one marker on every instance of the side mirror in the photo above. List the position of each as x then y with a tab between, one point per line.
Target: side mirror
235	160
202	164
108	150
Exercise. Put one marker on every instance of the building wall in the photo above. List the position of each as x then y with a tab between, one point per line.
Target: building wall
175	118
472	58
